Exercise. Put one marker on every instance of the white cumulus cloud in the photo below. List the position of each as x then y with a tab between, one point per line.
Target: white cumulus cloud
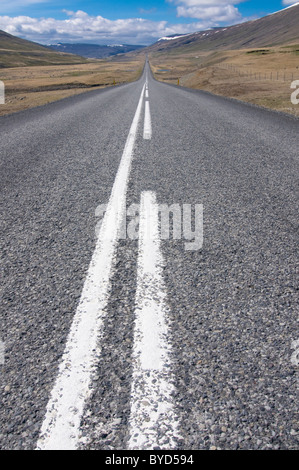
290	2
81	27
217	11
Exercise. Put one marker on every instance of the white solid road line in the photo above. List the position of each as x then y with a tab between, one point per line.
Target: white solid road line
147	130
153	421
61	426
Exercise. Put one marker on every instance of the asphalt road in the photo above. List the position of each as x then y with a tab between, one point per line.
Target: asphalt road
230	305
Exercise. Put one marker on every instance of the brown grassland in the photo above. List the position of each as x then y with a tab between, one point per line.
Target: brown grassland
259	76
27	87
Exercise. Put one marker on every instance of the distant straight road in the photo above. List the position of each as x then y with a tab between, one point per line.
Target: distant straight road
132	339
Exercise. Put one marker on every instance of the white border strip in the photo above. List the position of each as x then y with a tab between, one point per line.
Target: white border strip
61	426
153	421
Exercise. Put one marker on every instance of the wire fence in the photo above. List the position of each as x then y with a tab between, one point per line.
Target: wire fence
275	75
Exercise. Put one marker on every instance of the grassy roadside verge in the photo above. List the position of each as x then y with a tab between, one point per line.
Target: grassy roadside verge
258	76
27	87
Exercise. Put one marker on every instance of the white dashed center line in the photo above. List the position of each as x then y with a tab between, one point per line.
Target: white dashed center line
147	130
153	421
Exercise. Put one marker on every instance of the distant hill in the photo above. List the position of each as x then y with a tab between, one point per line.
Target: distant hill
275	29
94	51
16	52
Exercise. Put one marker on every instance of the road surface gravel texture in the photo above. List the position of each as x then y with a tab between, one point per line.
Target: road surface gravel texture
231	304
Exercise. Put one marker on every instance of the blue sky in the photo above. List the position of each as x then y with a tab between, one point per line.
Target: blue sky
124	21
